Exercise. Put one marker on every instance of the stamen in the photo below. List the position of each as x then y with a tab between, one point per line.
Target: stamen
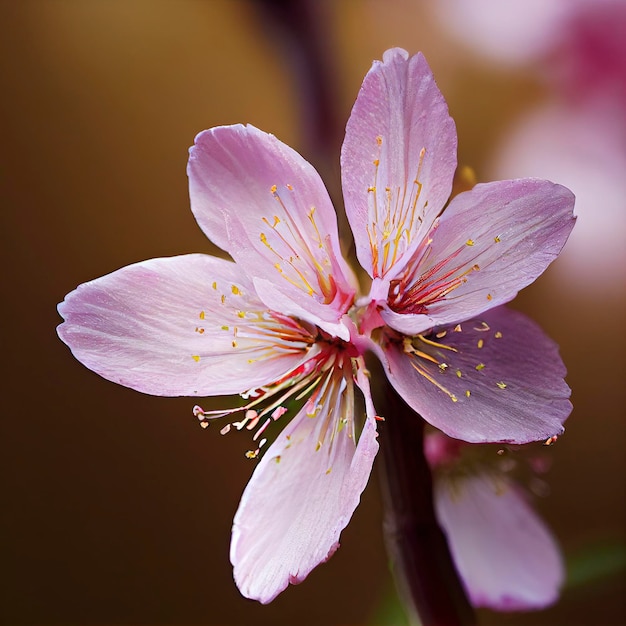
430	379
391	227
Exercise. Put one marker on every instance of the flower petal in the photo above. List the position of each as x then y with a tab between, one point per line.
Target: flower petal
397	161
495	378
296	504
186	325
299	306
264	204
505	555
489	243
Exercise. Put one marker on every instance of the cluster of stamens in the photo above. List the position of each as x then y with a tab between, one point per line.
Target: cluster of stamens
320	383
424	350
420	286
296	261
394	221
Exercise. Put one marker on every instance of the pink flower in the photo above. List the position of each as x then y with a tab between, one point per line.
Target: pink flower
280	325
507	558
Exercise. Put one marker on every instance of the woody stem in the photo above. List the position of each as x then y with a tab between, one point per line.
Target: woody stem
422	566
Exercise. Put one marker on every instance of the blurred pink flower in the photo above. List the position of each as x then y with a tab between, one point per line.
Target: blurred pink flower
585	148
578	136
507	558
508	33
280	325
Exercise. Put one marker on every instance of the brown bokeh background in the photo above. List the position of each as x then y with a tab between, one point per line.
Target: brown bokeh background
116	507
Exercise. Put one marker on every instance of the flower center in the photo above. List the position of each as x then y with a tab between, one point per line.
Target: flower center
425	283
322	384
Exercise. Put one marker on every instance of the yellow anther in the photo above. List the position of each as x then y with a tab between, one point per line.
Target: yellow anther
224	327
496	239
376	162
201	316
469	242
241	314
235	290
498	334
468	393
481	343
195	357
273	188
489	296
441	334
379	140
480	366
457	328
501	385
458	373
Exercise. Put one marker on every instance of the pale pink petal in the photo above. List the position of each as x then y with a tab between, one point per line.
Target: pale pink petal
505	555
397	161
302	307
495	378
264	204
299	499
185	325
489	243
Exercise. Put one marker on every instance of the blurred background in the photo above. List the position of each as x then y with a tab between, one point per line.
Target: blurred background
117	507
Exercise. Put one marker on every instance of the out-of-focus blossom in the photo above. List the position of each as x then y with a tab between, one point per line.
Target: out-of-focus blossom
280	325
585	148
505	555
507	32
579	138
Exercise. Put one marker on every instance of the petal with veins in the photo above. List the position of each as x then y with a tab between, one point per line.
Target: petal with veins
264	204
505	555
299	499
397	161
185	325
495	378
